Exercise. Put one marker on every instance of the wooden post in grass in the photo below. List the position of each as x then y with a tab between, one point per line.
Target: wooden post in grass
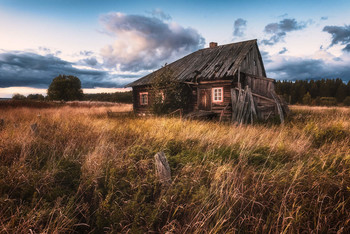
162	168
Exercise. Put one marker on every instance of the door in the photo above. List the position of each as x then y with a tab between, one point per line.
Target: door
205	99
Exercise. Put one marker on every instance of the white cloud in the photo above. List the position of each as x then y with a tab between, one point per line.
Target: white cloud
143	43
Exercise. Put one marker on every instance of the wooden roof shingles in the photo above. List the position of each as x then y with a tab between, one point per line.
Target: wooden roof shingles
205	64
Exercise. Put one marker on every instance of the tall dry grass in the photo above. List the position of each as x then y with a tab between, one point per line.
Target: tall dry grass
84	172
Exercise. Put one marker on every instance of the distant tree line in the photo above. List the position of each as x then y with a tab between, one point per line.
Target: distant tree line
121	97
327	92
34	97
68	88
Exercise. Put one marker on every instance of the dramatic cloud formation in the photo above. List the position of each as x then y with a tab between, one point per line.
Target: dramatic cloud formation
278	31
34	70
144	43
239	26
292	68
340	35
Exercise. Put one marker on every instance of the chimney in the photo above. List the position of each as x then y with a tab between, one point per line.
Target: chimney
213	44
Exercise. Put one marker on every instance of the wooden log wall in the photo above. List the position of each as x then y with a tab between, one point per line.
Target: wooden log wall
256	100
145	109
259	85
224	108
138	108
193	102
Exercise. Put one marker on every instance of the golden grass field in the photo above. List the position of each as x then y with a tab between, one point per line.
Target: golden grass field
85	172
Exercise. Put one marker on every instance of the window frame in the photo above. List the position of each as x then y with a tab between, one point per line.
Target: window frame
141	100
221	96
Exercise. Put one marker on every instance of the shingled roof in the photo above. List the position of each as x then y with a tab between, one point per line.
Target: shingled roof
205	64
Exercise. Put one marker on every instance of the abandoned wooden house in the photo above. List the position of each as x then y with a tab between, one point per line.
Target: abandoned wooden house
228	81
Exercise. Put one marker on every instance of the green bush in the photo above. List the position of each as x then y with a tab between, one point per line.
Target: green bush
307	99
18	96
346	101
38	97
328	101
167	94
67	88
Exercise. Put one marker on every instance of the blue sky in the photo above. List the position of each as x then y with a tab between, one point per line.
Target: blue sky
110	43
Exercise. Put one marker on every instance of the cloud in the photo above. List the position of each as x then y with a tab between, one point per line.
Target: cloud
284	50
239	27
324	18
278	31
86	53
265	56
293	68
46	50
159	13
92	62
283	15
347	48
340	35
144	43
34	70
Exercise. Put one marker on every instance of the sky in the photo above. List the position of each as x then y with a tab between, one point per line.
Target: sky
110	43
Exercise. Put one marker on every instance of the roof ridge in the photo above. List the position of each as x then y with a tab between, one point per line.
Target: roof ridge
233	43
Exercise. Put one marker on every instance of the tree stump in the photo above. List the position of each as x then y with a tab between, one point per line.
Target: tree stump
162	168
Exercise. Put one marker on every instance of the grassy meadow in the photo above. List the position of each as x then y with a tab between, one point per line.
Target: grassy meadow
84	172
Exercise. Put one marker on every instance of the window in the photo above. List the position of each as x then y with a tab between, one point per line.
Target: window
218	94
144	98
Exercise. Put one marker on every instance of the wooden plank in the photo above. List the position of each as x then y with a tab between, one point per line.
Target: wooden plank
215	81
260	77
257	95
162	168
279	108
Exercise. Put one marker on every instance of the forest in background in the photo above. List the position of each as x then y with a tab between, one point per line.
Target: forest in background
120	97
324	92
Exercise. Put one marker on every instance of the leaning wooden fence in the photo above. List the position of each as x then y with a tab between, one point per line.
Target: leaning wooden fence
243	106
180	111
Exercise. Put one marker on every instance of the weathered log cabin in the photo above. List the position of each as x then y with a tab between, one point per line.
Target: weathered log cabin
228	81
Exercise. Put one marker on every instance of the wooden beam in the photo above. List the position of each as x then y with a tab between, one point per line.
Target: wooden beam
190	83
215	81
259	77
263	97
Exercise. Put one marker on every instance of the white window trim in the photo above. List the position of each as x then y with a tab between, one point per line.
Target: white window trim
222	94
141	103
